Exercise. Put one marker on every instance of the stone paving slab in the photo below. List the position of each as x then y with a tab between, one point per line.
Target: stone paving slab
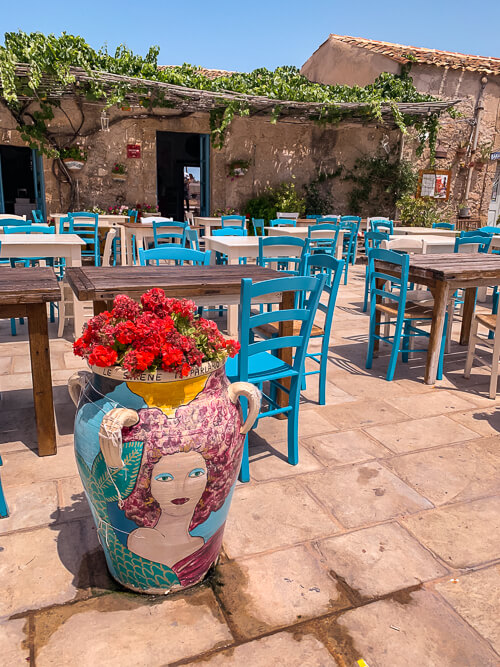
272	515
463	535
42	567
270	461
345	447
283	649
14	649
277	589
30	506
363	494
476	597
130	630
361	414
378	560
452	474
421	434
412	629
433	403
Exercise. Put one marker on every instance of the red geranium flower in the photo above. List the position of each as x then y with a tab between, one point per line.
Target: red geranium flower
102	356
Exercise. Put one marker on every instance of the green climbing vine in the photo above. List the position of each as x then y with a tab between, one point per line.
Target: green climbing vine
50	59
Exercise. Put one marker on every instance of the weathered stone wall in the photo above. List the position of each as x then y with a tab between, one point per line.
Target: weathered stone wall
337	63
280	152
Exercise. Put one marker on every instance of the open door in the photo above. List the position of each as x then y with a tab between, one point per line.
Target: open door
205	175
39	182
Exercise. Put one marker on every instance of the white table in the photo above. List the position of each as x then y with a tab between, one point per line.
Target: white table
66	246
243	246
302	232
427	231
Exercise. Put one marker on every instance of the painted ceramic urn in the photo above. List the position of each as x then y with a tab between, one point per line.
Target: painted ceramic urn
159	458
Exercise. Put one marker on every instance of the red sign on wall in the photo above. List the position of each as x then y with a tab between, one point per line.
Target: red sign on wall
133	150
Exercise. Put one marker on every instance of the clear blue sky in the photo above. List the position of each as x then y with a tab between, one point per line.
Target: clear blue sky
242	35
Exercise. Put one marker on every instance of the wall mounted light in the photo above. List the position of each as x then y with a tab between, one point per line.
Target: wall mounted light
104	121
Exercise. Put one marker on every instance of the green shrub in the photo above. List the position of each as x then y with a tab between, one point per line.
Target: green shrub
283	198
418	212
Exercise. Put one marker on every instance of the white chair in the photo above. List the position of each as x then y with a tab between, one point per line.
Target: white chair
491	323
10	216
288	216
374	217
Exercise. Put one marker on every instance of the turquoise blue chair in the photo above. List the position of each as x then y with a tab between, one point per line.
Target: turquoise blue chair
443	225
221	258
258	226
332	269
335	219
403	315
372	240
283	222
85	225
172	251
322	244
14	222
349	244
314	216
483	241
193	239
234	221
133	213
4	510
382	225
37	217
257	362
352	219
171	232
475	232
490	229
291	264
29	229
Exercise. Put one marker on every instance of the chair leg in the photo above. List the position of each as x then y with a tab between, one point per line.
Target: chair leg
4	510
494	367
367	283
244	475
494	310
449	314
322	377
62	313
13	329
371	339
395	351
52	317
472	346
439	374
293	424
406	342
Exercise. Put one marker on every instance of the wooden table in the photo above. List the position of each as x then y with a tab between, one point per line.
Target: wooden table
25	292
66	246
443	274
206	285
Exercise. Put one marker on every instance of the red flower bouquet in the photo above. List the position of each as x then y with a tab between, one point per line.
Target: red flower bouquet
158	333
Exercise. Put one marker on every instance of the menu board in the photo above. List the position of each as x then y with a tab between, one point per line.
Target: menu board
434	183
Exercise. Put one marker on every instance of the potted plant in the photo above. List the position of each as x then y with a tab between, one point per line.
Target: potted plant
463	209
462	149
118	172
159	438
74	157
237	168
484	155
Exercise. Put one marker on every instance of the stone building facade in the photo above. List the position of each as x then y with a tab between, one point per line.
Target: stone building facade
282	152
475	80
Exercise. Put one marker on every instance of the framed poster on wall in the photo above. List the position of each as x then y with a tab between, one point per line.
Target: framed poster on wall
434	183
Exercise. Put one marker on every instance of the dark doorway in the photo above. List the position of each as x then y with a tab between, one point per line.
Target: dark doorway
17	186
178	154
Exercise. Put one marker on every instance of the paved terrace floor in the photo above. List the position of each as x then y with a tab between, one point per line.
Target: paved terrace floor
382	544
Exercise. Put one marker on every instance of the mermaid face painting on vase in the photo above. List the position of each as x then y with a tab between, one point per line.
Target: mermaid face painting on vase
176	486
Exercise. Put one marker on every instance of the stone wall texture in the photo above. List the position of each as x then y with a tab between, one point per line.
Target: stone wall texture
339	63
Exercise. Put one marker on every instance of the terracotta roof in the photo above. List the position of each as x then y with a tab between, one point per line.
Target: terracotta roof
399	52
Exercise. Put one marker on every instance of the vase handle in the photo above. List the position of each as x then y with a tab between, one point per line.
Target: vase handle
76	384
110	434
253	395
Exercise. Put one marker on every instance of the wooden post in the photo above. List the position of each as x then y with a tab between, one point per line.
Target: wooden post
438	316
42	378
100	307
468	312
285	354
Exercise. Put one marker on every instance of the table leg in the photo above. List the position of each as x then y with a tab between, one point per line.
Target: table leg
286	353
232	311
78	306
42	378
339	246
438	316
468	312
123	246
